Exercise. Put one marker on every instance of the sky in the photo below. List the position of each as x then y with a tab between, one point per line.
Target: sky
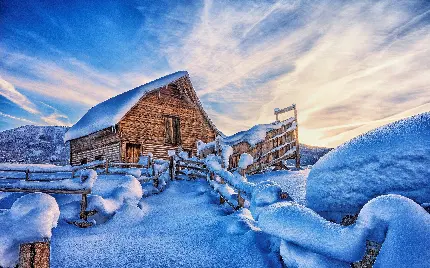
349	66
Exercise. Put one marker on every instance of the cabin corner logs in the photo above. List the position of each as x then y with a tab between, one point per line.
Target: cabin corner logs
171	117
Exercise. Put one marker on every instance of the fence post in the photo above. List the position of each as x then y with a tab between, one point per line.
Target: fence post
36	254
171	168
73	173
107	166
27	174
240	200
83	213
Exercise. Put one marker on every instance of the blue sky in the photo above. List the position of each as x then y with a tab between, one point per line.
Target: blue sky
350	66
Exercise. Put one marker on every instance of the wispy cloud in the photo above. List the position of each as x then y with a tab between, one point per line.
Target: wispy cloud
368	57
17	118
8	91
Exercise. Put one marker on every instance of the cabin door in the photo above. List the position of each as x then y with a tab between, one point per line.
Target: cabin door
132	152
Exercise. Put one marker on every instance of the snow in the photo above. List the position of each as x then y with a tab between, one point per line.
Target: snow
291	182
75	184
30	219
399	223
392	159
111	111
245	160
257	133
182	227
107	199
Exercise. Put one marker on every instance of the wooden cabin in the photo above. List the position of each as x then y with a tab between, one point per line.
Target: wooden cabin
162	115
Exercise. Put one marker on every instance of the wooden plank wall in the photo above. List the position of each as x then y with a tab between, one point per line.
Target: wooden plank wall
105	142
145	122
261	152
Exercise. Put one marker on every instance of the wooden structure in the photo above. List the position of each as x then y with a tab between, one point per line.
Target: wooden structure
281	143
162	115
48	185
36	254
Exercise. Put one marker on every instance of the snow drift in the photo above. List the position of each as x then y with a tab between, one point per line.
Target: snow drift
30	219
391	159
400	224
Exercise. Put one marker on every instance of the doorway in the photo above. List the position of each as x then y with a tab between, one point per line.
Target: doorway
132	152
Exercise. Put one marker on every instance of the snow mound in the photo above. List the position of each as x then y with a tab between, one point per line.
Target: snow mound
111	111
30	219
392	159
245	160
399	223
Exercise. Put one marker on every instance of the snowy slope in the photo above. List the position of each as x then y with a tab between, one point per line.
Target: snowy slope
34	144
392	159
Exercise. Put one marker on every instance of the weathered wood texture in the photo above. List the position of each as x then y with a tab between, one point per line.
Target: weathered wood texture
35	254
276	146
145	122
105	143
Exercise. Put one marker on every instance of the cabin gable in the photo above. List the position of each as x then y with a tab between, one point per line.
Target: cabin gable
164	120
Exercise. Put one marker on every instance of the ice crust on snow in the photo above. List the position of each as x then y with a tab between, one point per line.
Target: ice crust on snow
391	159
399	223
30	219
111	111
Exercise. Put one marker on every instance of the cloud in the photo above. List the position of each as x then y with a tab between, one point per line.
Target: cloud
342	63
8	91
17	118
349	66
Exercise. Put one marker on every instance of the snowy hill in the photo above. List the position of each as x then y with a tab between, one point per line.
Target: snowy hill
34	144
44	144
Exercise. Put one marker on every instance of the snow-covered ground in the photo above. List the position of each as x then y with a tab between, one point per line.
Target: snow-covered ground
292	182
182	227
391	159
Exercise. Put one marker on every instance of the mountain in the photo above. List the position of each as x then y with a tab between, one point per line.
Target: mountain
309	154
44	144
34	144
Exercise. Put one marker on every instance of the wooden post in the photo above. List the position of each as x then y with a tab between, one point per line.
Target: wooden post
73	173
240	200
172	168
83	214
27	174
107	166
36	254
297	139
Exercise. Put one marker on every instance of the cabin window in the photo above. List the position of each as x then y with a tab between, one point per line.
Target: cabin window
84	161
173	130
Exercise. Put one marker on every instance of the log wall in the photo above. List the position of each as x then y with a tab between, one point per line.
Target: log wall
104	143
145	122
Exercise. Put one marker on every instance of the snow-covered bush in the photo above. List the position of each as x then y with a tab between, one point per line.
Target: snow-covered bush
30	219
399	223
392	159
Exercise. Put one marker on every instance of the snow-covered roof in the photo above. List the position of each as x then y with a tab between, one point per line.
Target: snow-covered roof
111	111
